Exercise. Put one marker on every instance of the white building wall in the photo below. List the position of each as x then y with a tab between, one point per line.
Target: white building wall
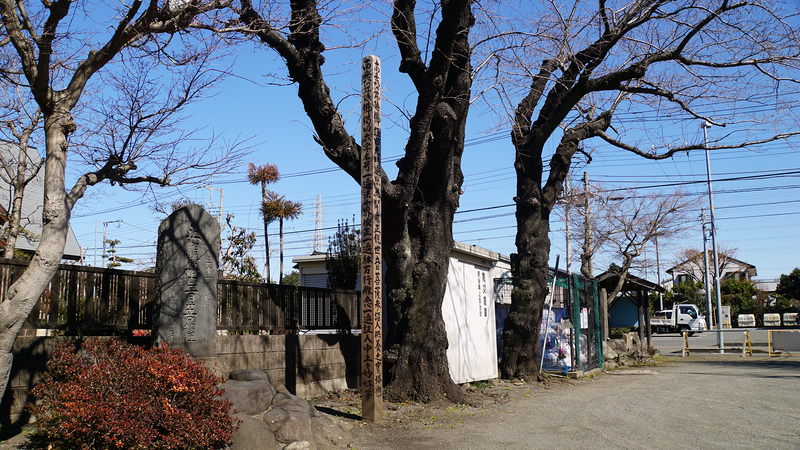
468	311
468	307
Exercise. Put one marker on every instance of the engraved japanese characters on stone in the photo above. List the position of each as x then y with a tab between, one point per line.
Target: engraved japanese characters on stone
186	281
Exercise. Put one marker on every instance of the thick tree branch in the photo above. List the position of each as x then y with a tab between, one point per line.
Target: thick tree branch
685	148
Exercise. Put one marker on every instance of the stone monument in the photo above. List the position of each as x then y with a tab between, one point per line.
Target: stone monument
187	263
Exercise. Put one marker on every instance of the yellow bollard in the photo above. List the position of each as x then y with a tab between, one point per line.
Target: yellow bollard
685	345
747	349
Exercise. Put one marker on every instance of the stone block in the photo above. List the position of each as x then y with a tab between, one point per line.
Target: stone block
249	397
293	402
253	434
329	435
187	263
250	375
289	425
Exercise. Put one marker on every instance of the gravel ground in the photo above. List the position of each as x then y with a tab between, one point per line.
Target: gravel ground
706	401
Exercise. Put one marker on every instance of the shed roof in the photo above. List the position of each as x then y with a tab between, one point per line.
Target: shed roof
609	280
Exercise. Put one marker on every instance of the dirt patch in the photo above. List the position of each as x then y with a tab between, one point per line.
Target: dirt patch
482	398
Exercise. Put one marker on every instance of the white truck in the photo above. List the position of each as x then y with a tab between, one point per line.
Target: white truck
683	317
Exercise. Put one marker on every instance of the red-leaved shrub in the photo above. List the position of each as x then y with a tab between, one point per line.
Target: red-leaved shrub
110	395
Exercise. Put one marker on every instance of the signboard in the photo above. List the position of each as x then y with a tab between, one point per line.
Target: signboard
469	319
371	262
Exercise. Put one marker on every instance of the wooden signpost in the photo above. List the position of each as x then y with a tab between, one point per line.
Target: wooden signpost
371	270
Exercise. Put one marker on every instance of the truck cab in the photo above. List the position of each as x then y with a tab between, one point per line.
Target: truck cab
684	317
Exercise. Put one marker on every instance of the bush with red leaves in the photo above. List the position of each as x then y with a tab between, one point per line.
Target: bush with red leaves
105	394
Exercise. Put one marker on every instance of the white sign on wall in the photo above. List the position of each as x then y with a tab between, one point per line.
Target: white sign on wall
469	319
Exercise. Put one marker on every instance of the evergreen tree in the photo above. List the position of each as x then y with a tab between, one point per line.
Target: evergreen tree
789	285
343	260
114	260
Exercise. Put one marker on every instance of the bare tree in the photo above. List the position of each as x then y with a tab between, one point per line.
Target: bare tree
21	163
56	63
628	225
690	261
419	204
683	61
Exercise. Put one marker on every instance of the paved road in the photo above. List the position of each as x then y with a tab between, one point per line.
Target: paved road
708	401
671	344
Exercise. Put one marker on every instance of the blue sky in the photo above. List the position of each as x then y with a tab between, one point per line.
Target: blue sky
757	216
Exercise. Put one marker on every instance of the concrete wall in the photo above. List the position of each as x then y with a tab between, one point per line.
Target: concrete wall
308	365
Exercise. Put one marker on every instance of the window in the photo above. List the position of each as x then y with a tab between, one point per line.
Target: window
689	311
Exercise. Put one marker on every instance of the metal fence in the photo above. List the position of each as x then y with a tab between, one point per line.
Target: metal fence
570	332
80	298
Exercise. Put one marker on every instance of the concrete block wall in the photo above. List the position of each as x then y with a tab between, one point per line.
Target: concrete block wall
308	365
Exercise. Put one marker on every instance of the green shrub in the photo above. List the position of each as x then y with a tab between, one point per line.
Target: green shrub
104	394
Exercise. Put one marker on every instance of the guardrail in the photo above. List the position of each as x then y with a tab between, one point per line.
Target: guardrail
783	341
747	347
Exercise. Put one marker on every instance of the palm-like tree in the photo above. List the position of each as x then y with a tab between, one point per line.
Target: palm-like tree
264	175
276	206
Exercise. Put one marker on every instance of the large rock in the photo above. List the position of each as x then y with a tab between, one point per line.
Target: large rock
250	375
289	425
253	434
249	397
329	435
282	417
293	402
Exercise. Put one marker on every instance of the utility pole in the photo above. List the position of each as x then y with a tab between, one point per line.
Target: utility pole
658	274
720	339
587	257
707	276
210	203
567	207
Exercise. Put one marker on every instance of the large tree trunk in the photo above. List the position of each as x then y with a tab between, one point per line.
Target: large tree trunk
529	266
418	207
280	233
417	242
266	245
24	293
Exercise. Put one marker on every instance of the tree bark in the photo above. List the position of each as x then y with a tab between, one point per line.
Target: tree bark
529	266
280	232
24	293
14	222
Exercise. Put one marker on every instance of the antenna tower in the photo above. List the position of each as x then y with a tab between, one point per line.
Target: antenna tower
318	237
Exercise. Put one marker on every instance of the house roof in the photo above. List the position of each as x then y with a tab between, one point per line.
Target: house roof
695	260
32	205
474	251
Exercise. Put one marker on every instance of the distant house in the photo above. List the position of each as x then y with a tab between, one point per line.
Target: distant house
476	280
693	269
32	206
